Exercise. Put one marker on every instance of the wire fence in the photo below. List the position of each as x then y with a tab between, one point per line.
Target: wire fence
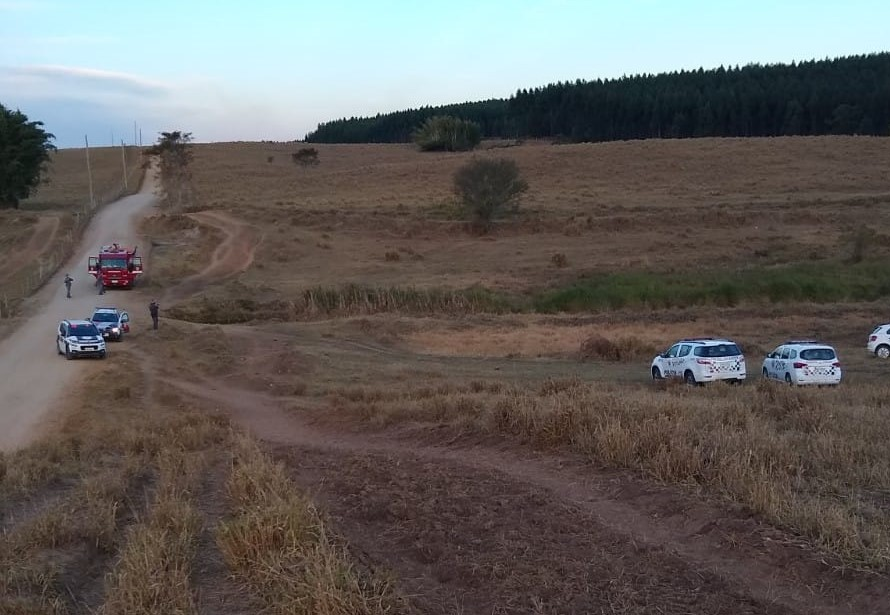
33	276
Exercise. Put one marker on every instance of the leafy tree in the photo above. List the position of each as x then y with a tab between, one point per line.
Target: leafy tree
486	187
447	133
24	151
174	153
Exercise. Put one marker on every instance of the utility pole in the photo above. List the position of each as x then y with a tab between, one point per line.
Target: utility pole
140	137
124	161
135	140
89	172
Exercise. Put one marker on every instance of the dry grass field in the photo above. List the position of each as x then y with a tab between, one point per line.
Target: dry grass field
355	405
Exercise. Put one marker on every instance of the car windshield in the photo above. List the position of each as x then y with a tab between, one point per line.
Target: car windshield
83	330
718	350
818	354
104	317
113	263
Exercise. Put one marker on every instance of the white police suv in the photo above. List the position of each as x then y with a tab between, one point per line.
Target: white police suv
701	359
79	338
803	362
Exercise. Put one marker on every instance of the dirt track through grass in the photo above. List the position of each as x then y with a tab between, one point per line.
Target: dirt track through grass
748	559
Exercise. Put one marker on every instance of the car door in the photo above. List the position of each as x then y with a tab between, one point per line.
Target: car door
670	362
782	362
61	334
682	360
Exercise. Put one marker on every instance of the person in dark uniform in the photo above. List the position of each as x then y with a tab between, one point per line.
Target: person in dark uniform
153	310
68	280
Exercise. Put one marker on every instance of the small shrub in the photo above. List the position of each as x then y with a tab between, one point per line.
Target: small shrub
486	187
599	348
559	260
305	157
860	244
270	159
393	256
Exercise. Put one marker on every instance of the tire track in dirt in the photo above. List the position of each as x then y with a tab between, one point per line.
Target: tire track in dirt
755	561
231	257
41	241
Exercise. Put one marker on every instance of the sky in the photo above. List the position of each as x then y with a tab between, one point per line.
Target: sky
273	70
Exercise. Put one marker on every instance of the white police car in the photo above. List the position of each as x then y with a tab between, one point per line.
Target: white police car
111	323
879	342
699	360
79	338
803	362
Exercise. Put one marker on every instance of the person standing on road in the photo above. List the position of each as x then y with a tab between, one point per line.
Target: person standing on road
153	310
68	280
101	284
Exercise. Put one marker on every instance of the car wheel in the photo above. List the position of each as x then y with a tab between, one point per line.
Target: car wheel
765	373
883	351
788	378
68	354
58	350
656	374
689	378
102	355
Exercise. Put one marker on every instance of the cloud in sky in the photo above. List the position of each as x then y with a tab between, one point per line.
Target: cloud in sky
74	100
85	79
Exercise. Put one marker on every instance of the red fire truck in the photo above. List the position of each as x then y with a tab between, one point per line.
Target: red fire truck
116	266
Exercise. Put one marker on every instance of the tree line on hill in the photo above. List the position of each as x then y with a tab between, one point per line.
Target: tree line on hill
849	95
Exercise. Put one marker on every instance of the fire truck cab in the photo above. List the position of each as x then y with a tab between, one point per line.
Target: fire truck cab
116	266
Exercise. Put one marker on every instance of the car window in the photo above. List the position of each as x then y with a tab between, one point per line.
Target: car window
62	329
672	353
718	350
818	354
684	350
104	317
785	353
83	330
792	354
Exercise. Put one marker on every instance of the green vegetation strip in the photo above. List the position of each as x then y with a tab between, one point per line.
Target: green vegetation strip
820	282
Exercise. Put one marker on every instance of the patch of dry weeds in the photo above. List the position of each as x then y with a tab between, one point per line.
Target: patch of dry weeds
279	544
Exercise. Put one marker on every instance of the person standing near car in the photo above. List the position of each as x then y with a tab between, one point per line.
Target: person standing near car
68	280
153	310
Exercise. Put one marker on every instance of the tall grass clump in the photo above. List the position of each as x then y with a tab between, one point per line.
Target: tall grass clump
154	572
278	543
349	300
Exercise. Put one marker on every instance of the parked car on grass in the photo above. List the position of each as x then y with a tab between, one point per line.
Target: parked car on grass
879	341
699	360
79	338
803	362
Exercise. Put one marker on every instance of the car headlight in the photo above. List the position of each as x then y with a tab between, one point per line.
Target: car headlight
115	330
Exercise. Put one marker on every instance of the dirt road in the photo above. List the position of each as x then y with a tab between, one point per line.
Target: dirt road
34	377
